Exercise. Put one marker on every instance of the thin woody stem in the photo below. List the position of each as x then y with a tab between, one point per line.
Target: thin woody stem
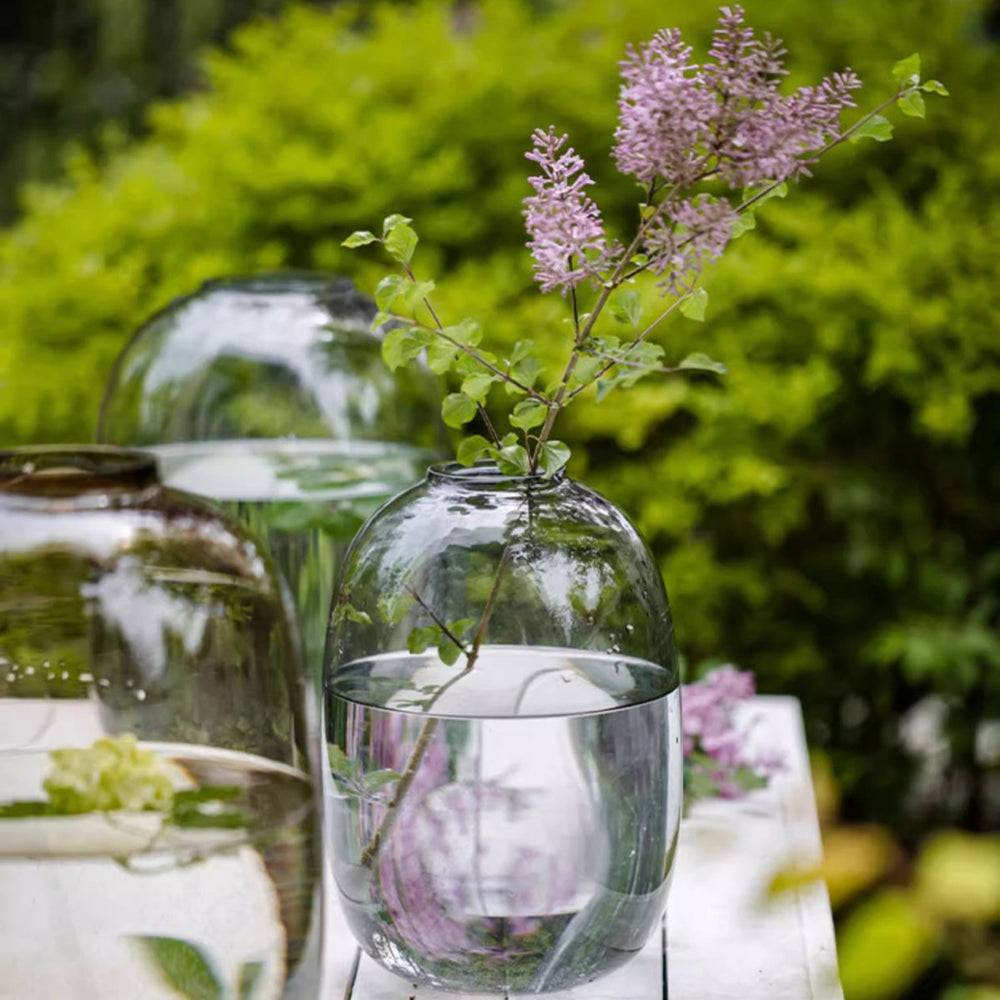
434	618
420	748
472	353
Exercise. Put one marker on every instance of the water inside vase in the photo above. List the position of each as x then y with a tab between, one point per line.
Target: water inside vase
507	828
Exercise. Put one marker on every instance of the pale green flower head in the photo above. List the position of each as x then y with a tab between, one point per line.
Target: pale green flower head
114	773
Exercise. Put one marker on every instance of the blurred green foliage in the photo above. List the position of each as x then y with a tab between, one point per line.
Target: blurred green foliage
70	68
827	515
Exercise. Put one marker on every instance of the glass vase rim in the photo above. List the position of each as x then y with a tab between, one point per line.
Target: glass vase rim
279	282
485	474
84	474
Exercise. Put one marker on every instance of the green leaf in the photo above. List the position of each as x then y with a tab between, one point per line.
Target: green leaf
359	238
912	104
448	652
207	793
625	306
392	608
345	611
440	355
907	71
414	293
402	345
586	368
457	409
508	439
934	87
878	128
193	818
554	457
248	977
423	636
745	221
388	291
702	363
183	966
477	386
747	779
391	221
522	349
379	779
472	448
25	808
461	625
764	193
401	243
513	460
695	304
524	365
529	413
340	763
468	332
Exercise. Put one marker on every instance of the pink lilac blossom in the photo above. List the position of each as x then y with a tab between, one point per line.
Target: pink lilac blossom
713	745
680	122
685	237
567	234
664	110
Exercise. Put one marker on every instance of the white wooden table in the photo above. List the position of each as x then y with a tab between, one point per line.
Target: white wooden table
721	940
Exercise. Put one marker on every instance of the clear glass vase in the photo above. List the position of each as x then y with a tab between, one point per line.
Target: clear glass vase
269	393
502	718
158	822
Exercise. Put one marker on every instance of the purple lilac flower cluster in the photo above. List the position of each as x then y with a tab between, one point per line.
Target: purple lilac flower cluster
716	759
567	234
681	124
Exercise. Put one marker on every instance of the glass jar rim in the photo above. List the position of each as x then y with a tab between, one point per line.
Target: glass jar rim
69	471
485	474
281	281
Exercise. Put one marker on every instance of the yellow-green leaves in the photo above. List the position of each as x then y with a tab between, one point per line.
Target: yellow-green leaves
404	344
878	127
912	104
399	238
457	409
695	304
625	305
472	449
906	72
701	363
359	238
958	877
883	946
554	456
528	414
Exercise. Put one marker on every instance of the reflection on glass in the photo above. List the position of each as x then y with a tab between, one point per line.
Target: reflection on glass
300	426
158	831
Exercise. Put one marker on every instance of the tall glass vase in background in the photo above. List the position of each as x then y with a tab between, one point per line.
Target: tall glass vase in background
502	720
269	393
158	829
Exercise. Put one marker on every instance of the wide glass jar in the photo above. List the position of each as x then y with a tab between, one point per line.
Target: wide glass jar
158	829
502	719
269	393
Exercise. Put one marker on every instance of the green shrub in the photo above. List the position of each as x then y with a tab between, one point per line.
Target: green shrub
828	515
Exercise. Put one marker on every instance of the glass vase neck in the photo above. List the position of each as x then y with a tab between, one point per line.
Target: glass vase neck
85	475
486	476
